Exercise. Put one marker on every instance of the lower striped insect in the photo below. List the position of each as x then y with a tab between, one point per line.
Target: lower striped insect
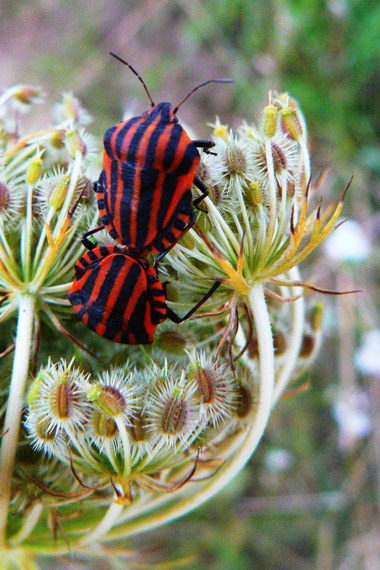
117	295
120	297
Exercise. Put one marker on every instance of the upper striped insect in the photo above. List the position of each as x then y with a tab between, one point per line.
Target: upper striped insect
144	191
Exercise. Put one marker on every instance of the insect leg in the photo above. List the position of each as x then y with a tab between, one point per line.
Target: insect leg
205	144
177	319
88	243
203	188
175	238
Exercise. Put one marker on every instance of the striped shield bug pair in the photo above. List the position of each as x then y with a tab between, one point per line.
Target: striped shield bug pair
145	201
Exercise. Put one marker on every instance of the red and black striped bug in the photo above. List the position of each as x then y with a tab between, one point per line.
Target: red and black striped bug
119	296
144	191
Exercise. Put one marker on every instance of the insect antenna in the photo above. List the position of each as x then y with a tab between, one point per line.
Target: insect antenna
137	75
217	80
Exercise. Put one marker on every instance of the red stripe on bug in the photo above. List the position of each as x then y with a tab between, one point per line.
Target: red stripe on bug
136	194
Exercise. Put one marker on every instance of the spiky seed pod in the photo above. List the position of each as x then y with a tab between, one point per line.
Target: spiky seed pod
113	395
57	398
174	413
216	388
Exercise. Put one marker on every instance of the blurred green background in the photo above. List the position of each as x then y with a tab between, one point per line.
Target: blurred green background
310	497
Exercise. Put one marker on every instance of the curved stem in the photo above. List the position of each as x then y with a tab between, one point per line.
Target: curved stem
14	406
306	158
126	446
234	464
110	518
28	525
298	319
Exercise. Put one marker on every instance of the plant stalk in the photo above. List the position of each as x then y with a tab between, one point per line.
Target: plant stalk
12	422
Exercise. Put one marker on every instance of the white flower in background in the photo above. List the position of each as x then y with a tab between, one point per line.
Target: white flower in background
351	413
22	97
367	357
348	244
278	460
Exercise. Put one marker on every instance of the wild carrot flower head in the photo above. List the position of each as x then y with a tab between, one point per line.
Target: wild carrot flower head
37	245
260	226
131	437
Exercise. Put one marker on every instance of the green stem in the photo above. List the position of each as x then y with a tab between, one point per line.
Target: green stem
14	407
42	270
74	173
234	464
41	239
28	233
238	190
225	233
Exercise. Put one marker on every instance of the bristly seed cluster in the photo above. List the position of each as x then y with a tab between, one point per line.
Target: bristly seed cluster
126	422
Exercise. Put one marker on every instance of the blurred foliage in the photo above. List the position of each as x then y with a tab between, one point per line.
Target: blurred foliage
326	54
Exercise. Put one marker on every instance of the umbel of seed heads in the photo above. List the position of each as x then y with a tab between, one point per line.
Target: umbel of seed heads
146	204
